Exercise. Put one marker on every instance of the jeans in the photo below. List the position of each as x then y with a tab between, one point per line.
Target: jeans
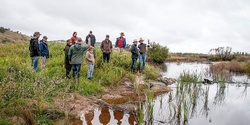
76	68
90	70
34	62
142	61
133	64
106	57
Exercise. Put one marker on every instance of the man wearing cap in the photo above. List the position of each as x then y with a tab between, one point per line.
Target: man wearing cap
120	42
34	50
91	61
135	55
106	47
142	60
44	49
90	39
76	56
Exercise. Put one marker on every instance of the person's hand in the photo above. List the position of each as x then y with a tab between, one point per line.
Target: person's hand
70	62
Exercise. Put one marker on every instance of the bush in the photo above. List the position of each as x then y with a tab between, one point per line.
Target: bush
157	53
247	67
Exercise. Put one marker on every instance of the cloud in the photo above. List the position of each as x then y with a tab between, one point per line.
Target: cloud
183	26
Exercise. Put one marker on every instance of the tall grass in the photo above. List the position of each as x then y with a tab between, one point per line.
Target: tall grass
36	91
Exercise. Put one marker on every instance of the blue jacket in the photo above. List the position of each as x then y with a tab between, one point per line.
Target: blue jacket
44	49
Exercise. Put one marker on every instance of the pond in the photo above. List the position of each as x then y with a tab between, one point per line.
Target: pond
222	103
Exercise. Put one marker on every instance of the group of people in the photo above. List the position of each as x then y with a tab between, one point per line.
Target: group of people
37	50
75	48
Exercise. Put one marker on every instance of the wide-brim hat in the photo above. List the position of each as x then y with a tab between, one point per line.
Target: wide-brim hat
141	40
122	33
135	40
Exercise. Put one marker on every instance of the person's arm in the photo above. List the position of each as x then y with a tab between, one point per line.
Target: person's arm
94	40
111	46
133	49
125	43
86	40
101	47
70	54
116	42
37	49
41	48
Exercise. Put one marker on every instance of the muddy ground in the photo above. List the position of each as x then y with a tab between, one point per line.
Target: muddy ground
124	97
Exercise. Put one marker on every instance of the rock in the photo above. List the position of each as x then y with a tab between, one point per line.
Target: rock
158	89
115	99
167	81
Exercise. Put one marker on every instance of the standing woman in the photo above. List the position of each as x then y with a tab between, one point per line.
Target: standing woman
91	61
66	59
74	38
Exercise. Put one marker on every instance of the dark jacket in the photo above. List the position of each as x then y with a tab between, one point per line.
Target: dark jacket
76	53
44	49
106	47
34	47
134	51
66	58
92	40
142	48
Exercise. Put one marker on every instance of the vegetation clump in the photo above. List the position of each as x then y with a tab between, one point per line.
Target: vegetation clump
157	53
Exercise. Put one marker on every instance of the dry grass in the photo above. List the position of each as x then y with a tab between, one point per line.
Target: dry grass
13	37
231	66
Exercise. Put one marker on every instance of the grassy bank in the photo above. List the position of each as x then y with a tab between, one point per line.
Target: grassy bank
30	95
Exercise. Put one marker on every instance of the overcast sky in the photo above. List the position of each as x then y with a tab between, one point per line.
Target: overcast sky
181	25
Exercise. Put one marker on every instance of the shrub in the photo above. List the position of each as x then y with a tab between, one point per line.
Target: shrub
157	53
247	67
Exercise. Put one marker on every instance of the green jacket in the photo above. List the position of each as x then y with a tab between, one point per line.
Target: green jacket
76	53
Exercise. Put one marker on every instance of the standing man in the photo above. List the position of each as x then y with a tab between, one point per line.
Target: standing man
90	39
74	38
67	65
44	49
142	60
91	61
76	56
106	47
135	55
120	42
34	50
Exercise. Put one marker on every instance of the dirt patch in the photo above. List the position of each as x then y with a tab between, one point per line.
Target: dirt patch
123	97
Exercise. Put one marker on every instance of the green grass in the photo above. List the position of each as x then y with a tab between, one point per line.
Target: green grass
187	77
22	87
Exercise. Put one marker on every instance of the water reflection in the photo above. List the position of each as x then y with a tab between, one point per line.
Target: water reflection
118	116
89	117
188	103
104	117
